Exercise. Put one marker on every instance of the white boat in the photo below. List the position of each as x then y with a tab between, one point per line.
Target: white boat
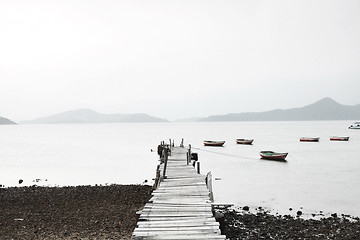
355	125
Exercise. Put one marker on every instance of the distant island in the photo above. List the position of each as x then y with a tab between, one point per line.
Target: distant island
324	109
5	121
90	116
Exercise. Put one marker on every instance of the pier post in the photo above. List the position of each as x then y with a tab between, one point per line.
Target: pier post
165	162
198	167
209	185
157	178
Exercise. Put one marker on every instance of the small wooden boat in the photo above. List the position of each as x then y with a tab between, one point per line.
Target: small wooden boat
355	125
244	141
214	143
309	139
270	155
337	138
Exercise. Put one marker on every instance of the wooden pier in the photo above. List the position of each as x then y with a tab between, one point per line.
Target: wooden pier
181	206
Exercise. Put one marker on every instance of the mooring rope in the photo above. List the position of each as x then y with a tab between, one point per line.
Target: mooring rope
224	154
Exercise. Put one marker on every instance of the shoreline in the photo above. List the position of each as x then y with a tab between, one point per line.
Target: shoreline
79	212
237	223
109	212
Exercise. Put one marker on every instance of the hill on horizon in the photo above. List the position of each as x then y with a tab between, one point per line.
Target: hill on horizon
90	116
5	121
324	109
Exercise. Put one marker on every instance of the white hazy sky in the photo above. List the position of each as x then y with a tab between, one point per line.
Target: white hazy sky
176	59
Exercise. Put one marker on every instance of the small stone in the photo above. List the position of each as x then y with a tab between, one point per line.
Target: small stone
246	208
21	181
299	213
218	215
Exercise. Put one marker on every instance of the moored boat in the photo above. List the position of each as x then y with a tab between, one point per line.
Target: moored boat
244	141
309	139
270	155
214	143
355	125
337	138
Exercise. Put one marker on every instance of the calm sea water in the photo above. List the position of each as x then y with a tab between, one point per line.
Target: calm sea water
323	176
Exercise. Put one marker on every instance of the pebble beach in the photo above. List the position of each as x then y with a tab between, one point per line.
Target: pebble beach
82	212
109	212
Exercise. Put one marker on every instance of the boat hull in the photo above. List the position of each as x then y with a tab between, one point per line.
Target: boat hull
309	139
214	143
269	155
244	141
339	138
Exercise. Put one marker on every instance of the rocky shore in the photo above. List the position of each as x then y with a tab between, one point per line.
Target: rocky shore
240	224
83	212
109	212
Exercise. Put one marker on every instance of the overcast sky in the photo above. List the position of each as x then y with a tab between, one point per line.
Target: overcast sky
176	59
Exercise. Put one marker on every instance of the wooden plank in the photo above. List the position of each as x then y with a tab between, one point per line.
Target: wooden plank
177	209
165	232
177	237
179	200
182	223
177	194
174	214
180	206
175	191
222	204
175	218
203	228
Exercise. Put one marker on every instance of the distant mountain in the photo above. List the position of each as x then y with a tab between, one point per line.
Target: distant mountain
325	109
90	116
5	121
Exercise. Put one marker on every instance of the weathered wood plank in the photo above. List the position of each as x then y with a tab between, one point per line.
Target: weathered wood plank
182	223
178	237
177	209
203	228
164	232
180	208
174	218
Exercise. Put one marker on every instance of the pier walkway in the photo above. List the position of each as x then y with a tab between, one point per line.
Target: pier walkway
180	207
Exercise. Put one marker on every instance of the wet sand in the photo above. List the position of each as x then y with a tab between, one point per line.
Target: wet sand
109	212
